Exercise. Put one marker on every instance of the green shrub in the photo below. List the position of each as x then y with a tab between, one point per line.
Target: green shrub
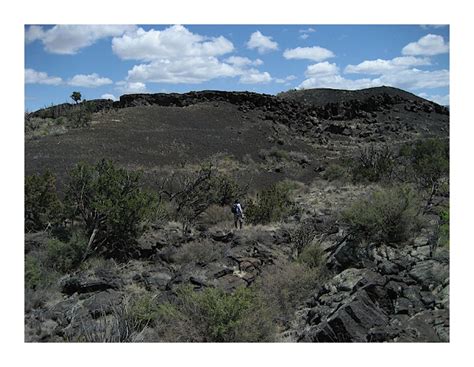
312	255
143	310
42	206
65	257
215	316
373	164
389	215
36	275
428	162
286	287
80	115
111	205
270	205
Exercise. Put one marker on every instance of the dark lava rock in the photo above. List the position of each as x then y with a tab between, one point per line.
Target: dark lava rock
349	323
87	284
103	303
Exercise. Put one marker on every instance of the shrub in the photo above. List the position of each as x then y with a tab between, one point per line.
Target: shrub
428	162
312	255
336	172
36	275
215	316
111	204
225	189
389	215
119	327
302	235
373	165
443	233
192	194
79	116
42	206
286	287
143	310
270	205
66	256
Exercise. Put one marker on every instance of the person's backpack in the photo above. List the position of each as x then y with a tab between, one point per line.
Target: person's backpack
234	209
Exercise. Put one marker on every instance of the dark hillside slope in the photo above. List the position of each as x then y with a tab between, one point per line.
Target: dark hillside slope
322	96
280	136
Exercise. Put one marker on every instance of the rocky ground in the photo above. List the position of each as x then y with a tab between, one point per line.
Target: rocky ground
369	292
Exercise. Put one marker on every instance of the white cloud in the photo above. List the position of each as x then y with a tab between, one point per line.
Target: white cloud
131	87
315	53
304	36
336	81
321	69
380	66
186	70
285	80
109	96
38	77
417	79
441	100
254	76
69	39
89	81
307	30
261	43
175	42
242	61
428	45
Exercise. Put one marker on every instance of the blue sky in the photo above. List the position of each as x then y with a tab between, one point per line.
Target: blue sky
106	61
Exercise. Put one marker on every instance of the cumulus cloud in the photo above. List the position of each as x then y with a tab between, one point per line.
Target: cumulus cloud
109	96
336	81
285	79
39	77
69	39
89	81
380	66
175	55
131	87
428	45
186	70
417	79
315	53
242	61
262	43
321	69
254	76
175	42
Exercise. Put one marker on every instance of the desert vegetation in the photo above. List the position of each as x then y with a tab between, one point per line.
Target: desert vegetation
124	253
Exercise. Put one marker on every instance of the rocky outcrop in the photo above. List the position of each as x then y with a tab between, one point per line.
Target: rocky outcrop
381	294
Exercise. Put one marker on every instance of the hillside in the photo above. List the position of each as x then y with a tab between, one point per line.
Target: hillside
345	236
153	131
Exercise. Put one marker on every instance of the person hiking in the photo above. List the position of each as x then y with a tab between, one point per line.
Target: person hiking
238	213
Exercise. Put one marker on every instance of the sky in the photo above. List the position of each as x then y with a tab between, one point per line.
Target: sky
107	61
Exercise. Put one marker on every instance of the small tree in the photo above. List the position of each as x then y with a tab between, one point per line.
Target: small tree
76	96
111	205
42	206
428	163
